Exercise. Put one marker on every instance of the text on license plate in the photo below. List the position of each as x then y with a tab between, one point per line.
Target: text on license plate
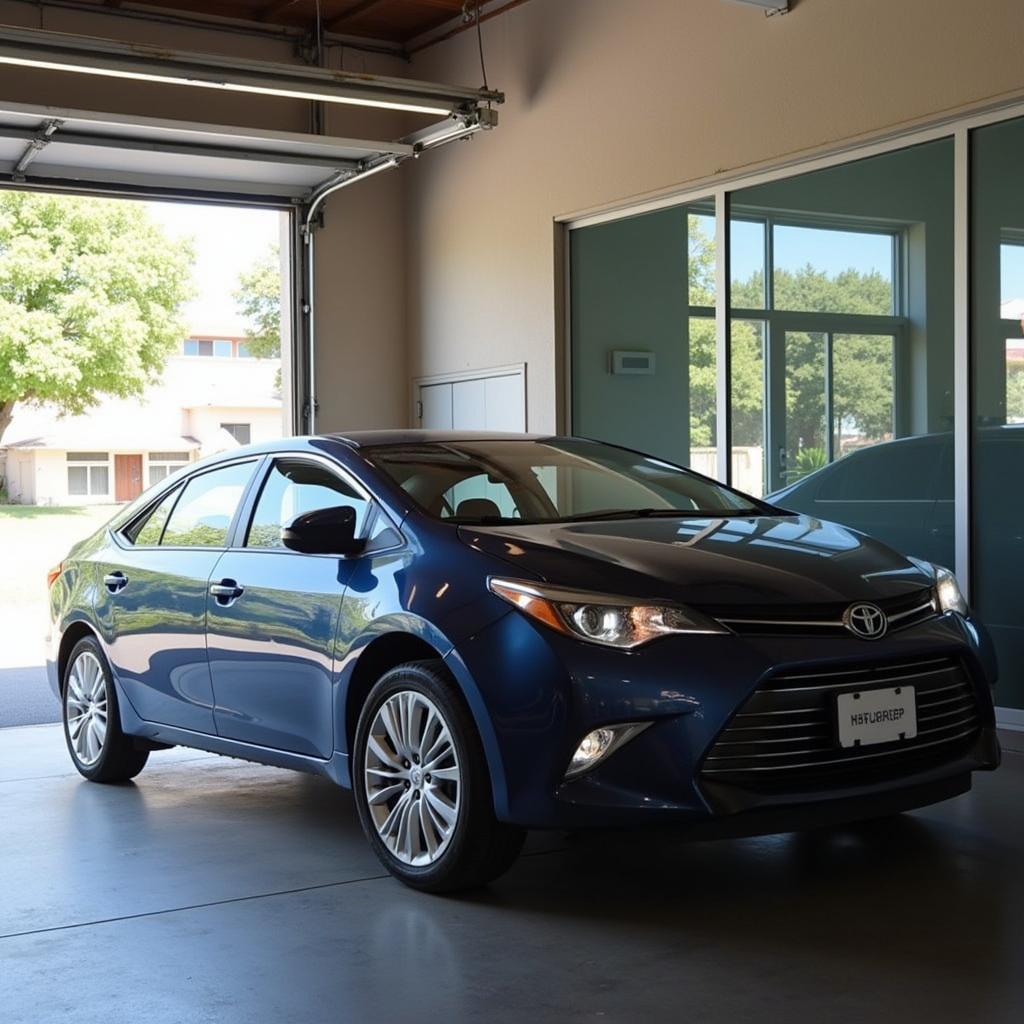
876	716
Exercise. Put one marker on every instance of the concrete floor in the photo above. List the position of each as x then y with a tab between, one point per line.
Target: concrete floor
214	890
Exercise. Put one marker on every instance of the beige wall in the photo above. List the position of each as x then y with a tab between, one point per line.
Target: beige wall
609	99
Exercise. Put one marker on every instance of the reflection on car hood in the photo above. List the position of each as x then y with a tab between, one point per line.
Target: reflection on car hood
768	560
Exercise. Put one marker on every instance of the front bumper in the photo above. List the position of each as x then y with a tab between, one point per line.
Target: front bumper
541	692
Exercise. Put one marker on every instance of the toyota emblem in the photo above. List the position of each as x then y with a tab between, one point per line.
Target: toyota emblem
867	621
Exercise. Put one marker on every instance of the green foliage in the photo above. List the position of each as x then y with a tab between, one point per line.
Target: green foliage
808	460
1015	393
862	365
258	299
90	293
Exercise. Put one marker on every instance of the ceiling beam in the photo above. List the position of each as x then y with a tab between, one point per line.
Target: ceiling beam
271	11
357	9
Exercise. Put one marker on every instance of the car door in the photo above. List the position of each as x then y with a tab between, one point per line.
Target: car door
152	597
273	618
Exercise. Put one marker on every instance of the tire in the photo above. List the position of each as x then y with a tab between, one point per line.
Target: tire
92	726
415	710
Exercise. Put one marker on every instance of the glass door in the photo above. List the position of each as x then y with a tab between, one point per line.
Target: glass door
827	394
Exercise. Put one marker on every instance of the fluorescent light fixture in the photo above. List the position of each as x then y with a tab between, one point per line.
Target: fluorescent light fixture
203	83
55	51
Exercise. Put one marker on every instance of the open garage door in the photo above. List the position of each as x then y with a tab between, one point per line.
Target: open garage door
48	146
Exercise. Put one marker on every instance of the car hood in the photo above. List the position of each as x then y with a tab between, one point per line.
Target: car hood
759	561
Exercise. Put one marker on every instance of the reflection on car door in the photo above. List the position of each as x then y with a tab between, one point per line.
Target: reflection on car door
152	598
271	629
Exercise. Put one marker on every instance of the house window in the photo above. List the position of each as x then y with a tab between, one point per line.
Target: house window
243	351
222	347
241	432
198	347
88	474
162	464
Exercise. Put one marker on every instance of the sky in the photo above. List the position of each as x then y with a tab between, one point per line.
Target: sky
228	239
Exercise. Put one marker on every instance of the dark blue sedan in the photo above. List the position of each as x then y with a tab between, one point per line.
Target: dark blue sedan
481	634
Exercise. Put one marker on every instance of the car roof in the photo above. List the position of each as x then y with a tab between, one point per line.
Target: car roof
378	438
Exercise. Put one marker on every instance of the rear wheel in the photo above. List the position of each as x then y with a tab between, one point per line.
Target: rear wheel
92	727
422	786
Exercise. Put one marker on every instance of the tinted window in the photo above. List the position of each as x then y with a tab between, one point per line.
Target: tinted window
203	516
293	487
899	471
147	530
476	481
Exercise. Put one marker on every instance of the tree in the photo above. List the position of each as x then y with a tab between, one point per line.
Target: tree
90	293
258	299
862	372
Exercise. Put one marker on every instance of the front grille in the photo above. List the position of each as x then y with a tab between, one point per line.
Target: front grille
821	620
784	735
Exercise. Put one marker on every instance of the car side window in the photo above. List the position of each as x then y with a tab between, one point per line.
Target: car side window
292	488
146	530
203	514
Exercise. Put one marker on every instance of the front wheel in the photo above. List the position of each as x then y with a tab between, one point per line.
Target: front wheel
100	750
422	786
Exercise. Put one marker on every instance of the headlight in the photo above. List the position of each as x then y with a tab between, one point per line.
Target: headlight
947	591
602	618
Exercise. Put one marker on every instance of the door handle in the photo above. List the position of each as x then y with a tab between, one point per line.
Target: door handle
227	592
115	581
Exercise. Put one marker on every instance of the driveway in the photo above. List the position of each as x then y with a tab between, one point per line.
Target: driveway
33	540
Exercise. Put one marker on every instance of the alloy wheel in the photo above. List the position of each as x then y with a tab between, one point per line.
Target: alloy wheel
412	778
86	701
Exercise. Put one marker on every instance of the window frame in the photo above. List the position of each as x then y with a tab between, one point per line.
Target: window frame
778	322
88	465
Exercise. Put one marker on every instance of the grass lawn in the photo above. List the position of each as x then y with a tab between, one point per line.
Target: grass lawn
33	539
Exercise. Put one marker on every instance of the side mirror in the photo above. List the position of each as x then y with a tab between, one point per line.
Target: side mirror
326	531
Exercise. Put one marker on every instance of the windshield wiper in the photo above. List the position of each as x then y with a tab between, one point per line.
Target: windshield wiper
659	513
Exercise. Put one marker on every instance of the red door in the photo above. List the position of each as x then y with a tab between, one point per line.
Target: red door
127	477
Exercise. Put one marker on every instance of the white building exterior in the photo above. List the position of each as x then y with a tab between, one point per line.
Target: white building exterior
204	404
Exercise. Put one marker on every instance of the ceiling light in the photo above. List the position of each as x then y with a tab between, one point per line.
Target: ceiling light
54	51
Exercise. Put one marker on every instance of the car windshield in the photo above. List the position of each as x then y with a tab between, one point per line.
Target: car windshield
552	480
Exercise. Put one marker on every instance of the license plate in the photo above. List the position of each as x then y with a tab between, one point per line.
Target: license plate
867	717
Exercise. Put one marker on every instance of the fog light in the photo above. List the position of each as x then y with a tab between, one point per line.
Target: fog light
597	745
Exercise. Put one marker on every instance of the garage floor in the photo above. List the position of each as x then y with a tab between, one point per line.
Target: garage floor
215	890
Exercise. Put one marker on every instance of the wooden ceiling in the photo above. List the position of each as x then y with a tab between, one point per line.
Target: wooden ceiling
395	21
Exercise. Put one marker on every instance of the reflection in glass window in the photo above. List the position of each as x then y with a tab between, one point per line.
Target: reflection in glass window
147	530
746	261
832	271
203	516
292	488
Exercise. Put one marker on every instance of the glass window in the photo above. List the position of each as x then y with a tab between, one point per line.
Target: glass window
243	351
746	258
646	284
78	480
900	471
99	480
190	347
747	406
241	432
856	345
88	457
833	271
997	380
292	488
550	481
147	530
203	516
222	348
